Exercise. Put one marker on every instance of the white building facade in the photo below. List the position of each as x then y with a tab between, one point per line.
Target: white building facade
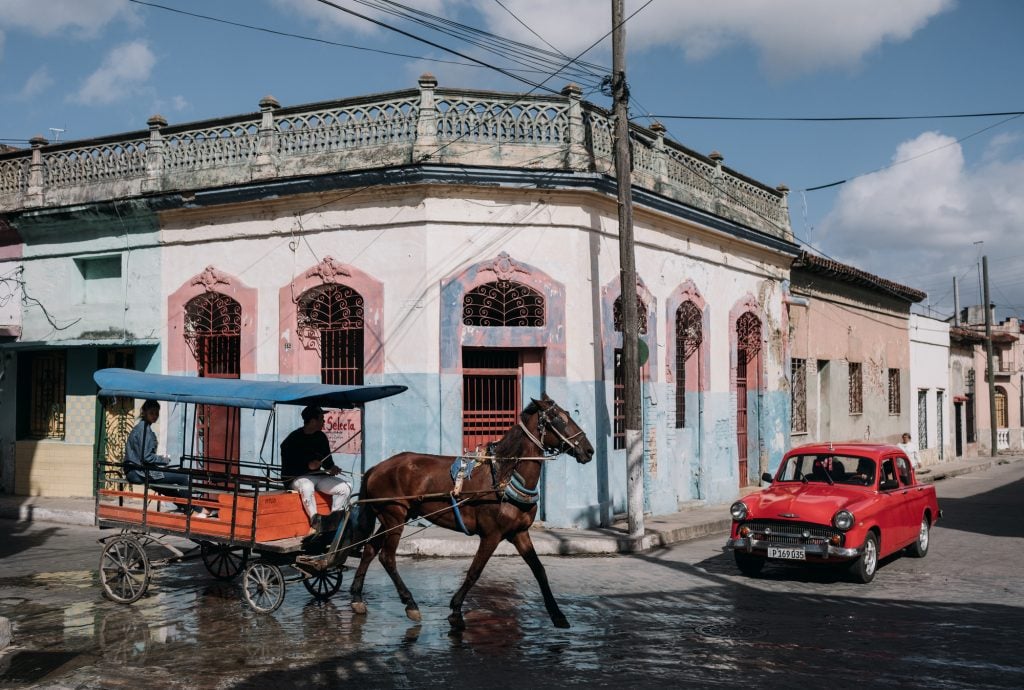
931	404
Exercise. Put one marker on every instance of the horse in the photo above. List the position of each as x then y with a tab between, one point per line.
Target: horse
497	501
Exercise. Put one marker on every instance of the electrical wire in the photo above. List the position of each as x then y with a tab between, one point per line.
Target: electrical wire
842	118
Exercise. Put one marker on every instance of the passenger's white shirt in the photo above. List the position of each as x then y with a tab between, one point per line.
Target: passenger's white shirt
911	450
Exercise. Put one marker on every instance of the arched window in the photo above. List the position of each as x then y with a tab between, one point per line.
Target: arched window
748	347
1002	410
641	315
330	320
503	303
689	336
213	331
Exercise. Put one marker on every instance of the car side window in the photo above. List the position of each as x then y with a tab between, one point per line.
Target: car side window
888	470
903	470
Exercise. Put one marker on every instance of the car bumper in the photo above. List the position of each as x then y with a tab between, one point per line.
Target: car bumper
815	551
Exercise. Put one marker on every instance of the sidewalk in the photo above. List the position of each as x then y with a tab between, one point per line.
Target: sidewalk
692	523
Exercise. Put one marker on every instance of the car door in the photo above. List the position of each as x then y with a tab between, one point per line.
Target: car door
894	515
909	519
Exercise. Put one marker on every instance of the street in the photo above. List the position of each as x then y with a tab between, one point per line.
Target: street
678	617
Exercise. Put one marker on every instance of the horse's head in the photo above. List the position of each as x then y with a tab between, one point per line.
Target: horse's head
557	430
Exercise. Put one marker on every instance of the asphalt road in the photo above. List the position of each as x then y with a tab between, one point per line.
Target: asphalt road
678	617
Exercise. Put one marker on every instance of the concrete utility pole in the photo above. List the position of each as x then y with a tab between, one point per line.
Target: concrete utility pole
627	279
956	302
988	356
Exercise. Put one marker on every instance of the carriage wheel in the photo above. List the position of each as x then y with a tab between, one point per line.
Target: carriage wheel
224	562
324	584
263	586
124	569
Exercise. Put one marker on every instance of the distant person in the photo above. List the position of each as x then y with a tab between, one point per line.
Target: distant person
911	450
142	464
307	465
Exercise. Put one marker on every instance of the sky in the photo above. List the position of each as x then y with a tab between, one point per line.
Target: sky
921	200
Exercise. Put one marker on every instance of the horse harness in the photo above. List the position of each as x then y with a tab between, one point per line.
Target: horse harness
513	489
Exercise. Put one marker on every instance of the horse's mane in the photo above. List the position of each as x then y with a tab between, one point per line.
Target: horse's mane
508	445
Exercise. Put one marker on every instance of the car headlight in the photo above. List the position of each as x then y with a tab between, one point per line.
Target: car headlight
843	520
738	510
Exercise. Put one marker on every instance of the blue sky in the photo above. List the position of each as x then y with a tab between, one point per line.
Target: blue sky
96	67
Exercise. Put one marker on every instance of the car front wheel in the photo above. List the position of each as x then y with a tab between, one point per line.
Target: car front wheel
919	549
863	569
749	565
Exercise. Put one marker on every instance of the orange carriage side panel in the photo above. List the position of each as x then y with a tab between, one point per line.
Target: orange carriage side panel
279	514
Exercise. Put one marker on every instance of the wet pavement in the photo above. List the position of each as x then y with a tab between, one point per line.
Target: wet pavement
675	617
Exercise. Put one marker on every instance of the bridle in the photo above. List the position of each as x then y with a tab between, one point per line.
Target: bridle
567	444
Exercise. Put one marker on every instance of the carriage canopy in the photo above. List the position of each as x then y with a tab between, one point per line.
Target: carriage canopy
258	395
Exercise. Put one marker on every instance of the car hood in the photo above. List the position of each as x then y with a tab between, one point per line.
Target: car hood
802	502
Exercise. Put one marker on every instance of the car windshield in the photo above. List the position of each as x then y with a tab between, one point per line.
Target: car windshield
828	469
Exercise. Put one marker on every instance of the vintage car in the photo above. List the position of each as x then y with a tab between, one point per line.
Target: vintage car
850	503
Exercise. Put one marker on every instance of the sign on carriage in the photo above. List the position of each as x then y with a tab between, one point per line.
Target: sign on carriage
344	427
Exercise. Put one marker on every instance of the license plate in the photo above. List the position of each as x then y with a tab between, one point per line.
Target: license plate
791	554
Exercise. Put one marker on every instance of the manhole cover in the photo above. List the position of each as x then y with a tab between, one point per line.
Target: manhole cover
29	667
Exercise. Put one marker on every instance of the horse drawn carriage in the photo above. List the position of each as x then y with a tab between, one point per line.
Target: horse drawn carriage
260	530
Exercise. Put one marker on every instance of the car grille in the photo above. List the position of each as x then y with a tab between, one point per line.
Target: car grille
777	532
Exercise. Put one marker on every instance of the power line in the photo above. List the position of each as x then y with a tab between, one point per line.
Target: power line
842	118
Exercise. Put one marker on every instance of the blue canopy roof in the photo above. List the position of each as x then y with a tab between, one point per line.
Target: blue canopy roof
259	395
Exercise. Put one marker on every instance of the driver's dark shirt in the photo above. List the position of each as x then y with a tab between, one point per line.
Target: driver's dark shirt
299	449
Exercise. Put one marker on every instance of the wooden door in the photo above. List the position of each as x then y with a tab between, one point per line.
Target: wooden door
741	414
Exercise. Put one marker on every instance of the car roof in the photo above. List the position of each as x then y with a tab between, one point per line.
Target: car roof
872	450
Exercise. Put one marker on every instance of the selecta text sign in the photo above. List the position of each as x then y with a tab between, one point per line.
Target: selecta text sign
344	431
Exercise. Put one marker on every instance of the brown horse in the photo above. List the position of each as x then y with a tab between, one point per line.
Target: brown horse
497	502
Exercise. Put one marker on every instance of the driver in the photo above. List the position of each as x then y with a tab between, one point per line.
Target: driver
307	466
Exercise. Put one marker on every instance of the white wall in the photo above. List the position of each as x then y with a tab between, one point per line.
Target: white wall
929	371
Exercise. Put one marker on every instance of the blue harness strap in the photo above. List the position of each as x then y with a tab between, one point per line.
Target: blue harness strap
458	516
517	492
465	464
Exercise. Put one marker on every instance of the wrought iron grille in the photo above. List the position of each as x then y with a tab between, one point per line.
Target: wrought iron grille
46	419
641	315
213	328
490	395
972	433
503	303
748	334
330	320
940	420
619	405
856	388
689	336
1002	409
798	395
922	419
894	392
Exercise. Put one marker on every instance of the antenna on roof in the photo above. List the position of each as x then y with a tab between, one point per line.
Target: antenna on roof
57	131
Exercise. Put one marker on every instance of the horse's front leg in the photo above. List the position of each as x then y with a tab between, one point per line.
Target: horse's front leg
483	554
524	545
370	549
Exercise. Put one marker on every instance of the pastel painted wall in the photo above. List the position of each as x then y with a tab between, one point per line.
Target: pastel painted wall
929	372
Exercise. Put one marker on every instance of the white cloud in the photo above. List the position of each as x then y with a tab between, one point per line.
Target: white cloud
123	71
916	222
38	82
791	36
84	18
328	17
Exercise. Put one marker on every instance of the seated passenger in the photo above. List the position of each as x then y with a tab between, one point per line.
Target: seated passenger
865	472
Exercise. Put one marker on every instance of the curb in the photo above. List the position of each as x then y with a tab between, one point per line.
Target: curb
30	513
5	632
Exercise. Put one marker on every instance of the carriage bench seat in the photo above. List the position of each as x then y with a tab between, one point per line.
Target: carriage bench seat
279	514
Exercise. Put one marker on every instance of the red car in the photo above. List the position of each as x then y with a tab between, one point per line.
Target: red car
852	503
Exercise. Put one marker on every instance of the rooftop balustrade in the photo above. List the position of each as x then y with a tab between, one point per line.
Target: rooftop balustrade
425	125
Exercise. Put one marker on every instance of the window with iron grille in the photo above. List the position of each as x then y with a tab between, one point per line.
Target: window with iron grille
491	395
856	389
47	383
1002	409
330	317
619	411
503	303
940	421
689	336
922	419
213	331
894	391
641	315
798	395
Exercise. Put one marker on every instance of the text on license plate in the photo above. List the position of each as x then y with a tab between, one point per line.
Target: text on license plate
793	554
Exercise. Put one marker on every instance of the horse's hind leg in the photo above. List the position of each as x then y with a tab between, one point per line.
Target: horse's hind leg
387	559
370	549
524	545
483	554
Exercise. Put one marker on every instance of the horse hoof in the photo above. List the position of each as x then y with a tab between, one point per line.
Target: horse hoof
457	621
561	622
359	607
414	614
